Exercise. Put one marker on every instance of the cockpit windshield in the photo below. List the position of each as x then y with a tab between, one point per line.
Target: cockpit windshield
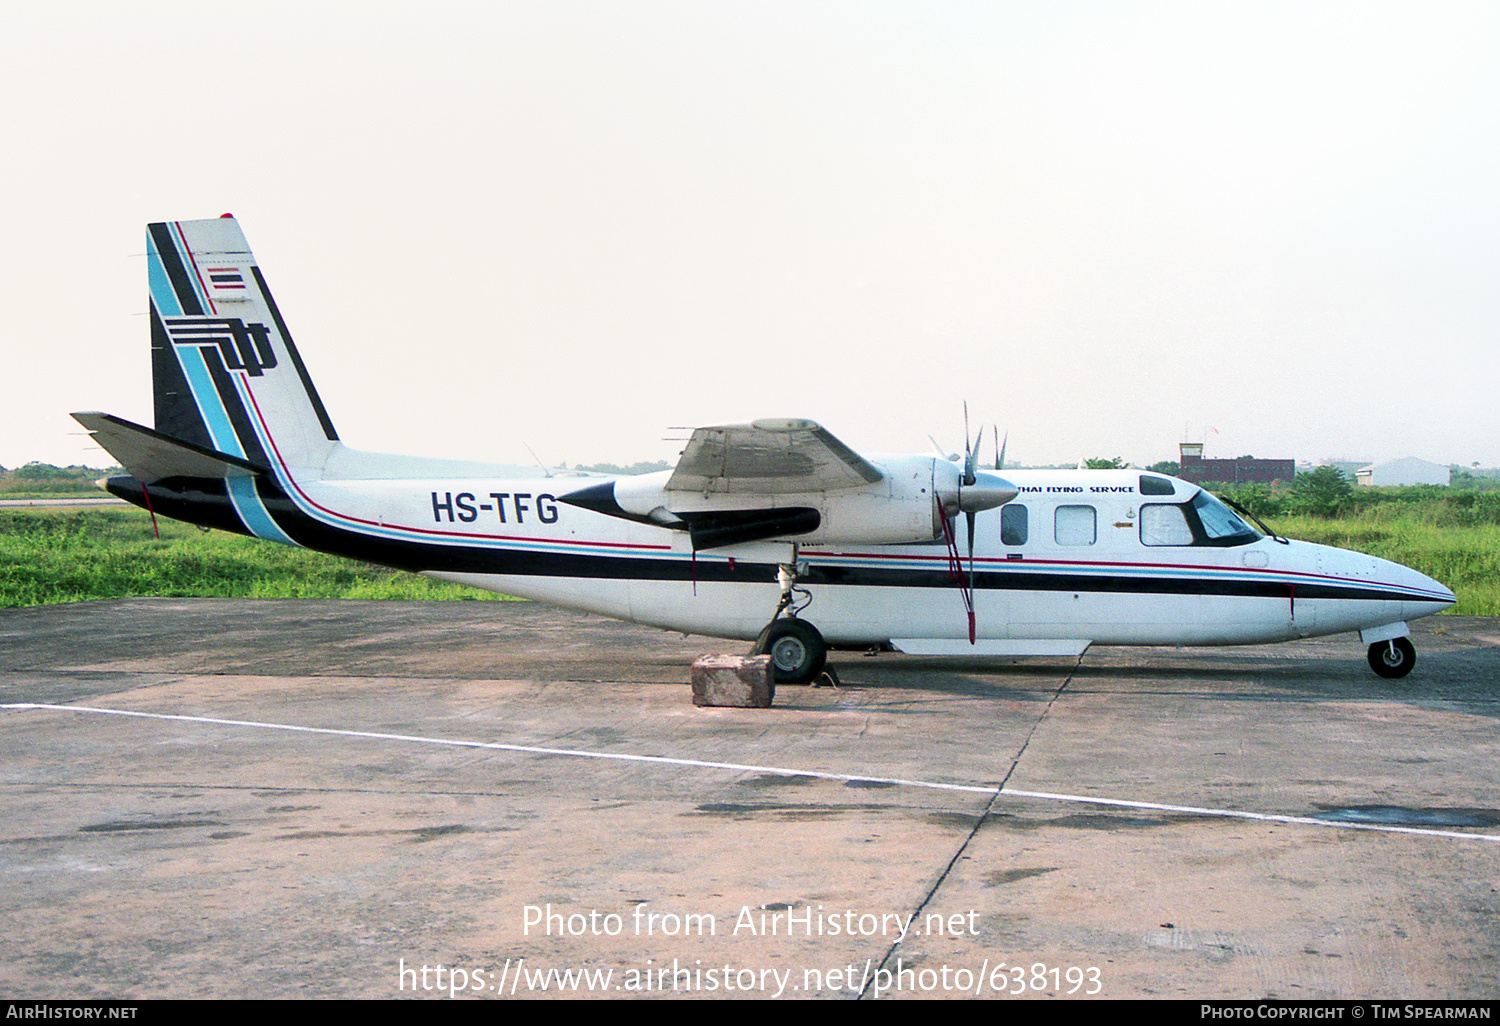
1203	520
1221	525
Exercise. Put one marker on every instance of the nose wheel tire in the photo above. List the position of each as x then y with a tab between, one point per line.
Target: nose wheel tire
1394	658
797	650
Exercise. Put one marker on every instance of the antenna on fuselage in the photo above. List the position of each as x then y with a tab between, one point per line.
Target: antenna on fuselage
546	470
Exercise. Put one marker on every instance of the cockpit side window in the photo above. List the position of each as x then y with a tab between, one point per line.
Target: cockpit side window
1165	523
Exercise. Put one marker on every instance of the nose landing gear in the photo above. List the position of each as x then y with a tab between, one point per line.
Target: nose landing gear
1394	658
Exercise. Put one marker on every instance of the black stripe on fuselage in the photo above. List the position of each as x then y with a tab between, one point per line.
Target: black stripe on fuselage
417	555
194	500
291	349
177	273
1093	582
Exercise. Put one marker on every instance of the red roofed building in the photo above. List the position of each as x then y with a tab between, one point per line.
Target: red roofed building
1245	470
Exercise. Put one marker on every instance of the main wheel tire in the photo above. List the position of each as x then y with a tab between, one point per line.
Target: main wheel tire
1393	659
797	650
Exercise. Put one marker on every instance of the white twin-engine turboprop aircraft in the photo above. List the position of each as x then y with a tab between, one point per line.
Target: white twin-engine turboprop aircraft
773	531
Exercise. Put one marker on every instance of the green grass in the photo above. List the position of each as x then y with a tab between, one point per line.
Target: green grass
89	492
39	480
49	556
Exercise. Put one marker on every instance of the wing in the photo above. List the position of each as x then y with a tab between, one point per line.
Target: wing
769	457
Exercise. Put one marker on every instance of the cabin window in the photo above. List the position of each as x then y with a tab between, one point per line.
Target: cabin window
1014	525
1165	524
1075	525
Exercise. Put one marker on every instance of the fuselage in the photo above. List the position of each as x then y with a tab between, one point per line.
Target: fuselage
758	525
1108	557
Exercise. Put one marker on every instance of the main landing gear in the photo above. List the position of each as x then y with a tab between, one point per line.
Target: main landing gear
1393	658
797	650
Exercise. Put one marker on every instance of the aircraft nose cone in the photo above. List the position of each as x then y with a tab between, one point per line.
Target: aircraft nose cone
1442	593
1408	594
1425	595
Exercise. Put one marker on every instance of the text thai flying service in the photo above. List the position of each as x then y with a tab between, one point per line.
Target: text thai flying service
773	531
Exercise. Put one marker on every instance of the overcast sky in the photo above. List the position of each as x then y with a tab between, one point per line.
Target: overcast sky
578	225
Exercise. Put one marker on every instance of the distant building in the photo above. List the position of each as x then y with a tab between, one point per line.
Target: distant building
1410	471
1349	468
1245	470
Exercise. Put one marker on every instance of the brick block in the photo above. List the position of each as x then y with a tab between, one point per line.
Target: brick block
742	682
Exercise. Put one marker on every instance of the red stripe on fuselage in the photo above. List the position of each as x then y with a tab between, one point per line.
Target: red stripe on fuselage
942	560
286	472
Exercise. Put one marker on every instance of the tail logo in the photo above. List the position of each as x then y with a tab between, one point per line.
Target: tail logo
242	346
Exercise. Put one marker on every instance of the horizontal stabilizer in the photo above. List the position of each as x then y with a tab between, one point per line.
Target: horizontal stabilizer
150	455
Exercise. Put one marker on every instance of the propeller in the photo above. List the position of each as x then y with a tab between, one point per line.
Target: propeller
971	491
971	478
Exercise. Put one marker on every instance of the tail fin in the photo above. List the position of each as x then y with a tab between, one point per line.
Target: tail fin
226	373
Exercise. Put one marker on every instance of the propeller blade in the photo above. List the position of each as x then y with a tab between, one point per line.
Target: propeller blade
971	452
971	579
1000	448
956	567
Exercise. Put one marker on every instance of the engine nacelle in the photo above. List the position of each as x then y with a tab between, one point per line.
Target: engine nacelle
902	508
